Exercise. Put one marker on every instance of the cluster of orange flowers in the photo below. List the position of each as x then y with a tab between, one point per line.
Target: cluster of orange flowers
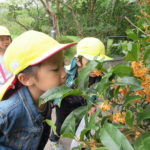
138	69
146	86
105	106
148	1
142	73
148	39
146	27
123	91
118	117
144	2
97	73
93	144
137	134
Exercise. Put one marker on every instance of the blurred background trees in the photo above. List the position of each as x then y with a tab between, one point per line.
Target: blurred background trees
73	18
69	17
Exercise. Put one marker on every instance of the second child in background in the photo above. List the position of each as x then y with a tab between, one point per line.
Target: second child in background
89	48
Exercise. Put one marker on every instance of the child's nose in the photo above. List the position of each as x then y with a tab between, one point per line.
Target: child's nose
63	74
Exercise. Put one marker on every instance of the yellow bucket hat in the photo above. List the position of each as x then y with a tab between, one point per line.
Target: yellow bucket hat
4	31
28	49
91	48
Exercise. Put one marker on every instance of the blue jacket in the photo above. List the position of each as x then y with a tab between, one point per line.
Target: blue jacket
72	74
21	124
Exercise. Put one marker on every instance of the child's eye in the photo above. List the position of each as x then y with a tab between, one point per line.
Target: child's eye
55	70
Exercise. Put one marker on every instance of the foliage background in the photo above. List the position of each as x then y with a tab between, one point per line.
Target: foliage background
81	18
74	19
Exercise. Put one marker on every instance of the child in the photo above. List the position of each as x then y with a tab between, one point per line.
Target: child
87	49
37	64
5	40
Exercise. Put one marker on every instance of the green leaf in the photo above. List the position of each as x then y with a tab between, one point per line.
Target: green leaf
131	99
131	1
70	123
133	82
91	124
112	138
142	142
122	70
144	115
83	78
130	33
102	148
58	92
104	84
68	129
129	118
133	54
83	132
147	56
52	125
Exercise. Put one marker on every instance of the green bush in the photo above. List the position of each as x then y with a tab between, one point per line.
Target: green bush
69	54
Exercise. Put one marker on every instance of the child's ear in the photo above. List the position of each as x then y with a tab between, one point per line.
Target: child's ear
25	79
79	64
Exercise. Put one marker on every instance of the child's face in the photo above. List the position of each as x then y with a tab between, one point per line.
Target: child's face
4	42
82	64
51	73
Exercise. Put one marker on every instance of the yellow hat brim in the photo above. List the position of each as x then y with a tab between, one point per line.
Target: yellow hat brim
99	58
8	85
51	52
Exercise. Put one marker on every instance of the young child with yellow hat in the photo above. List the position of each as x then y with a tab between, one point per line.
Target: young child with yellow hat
88	48
5	40
37	64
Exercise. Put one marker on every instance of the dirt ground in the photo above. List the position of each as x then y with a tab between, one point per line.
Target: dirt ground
64	141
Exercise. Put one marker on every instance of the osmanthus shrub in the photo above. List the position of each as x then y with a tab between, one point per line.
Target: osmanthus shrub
119	118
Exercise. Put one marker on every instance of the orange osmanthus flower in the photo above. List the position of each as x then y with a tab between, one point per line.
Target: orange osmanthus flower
142	73
148	39
104	106
92	144
119	117
123	91
146	87
148	99
138	69
97	73
137	101
115	86
137	134
146	26
148	1
93	147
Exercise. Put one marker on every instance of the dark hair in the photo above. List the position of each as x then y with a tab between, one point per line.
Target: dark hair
31	70
80	58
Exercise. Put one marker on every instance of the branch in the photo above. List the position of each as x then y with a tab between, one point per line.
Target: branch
134	25
22	25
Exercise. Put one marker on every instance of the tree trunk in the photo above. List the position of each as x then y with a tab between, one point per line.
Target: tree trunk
75	20
52	17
